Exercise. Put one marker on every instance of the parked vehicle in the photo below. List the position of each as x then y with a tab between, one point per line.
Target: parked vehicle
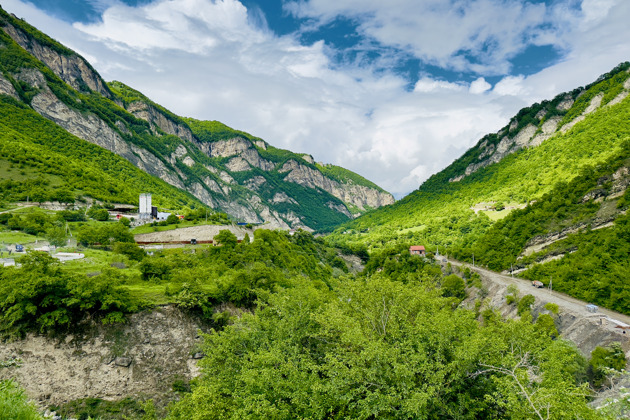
538	284
19	248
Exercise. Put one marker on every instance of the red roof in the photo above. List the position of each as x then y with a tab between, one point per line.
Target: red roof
416	248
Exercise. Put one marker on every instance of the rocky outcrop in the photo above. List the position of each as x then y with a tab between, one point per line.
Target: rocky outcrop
593	105
71	68
138	359
227	148
244	152
255	183
7	88
91	128
530	135
153	116
358	195
282	197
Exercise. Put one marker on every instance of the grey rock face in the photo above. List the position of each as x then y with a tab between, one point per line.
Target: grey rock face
72	69
142	357
7	88
357	195
153	116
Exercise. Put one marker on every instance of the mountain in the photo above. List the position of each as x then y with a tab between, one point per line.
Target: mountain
41	81
544	196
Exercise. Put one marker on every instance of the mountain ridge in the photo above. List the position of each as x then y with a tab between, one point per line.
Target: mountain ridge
240	174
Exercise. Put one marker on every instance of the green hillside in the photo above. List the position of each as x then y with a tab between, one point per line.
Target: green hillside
577	236
162	144
58	166
441	212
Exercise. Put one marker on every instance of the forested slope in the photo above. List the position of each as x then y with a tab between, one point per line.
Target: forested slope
442	210
569	183
210	163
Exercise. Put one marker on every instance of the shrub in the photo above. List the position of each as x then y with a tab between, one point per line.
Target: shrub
453	286
14	404
130	249
525	304
42	297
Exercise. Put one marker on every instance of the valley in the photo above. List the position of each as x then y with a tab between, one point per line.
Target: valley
260	283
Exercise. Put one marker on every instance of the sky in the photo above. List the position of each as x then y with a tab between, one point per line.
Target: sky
393	90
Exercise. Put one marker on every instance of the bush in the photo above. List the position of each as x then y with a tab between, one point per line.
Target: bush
99	214
172	219
42	297
155	268
130	249
14	403
602	360
226	238
525	304
453	286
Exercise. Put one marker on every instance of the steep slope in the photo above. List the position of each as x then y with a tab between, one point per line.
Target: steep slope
225	169
544	144
577	237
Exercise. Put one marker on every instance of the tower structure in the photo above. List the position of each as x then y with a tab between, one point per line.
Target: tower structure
145	206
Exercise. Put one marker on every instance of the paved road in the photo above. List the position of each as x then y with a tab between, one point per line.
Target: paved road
525	287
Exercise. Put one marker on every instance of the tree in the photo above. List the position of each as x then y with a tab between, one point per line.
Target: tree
102	215
130	249
453	286
172	219
525	304
226	238
57	236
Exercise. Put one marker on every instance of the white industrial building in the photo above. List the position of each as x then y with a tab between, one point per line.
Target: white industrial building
145	207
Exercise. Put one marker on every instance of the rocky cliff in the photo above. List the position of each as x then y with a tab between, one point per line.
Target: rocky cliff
533	125
226	169
140	359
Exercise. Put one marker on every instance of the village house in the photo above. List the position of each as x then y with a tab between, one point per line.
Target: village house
417	250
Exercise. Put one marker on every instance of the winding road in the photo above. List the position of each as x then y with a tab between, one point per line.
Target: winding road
564	301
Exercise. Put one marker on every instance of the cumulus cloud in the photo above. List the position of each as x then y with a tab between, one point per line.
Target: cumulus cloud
479	86
464	35
217	60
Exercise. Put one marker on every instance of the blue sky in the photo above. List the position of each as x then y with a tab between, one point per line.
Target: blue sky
392	90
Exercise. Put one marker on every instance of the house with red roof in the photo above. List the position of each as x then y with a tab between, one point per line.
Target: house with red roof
417	250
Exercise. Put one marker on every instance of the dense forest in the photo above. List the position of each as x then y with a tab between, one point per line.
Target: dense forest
314	340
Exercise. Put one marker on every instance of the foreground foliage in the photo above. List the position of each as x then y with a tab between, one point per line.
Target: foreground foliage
379	347
14	404
40	296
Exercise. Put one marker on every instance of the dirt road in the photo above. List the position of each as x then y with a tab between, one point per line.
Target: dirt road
565	302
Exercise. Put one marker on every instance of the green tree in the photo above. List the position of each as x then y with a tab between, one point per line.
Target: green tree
226	238
453	286
57	236
172	219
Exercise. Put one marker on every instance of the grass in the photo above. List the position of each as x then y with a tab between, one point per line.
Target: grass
413	229
15	237
150	293
97	260
16	172
495	215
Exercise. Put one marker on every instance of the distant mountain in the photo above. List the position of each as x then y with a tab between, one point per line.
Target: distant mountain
544	144
41	81
545	196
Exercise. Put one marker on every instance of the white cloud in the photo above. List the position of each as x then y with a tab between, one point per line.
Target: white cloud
479	86
464	35
216	60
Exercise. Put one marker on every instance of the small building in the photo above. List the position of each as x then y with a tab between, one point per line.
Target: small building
417	250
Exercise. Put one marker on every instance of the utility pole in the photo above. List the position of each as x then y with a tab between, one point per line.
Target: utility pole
550	284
